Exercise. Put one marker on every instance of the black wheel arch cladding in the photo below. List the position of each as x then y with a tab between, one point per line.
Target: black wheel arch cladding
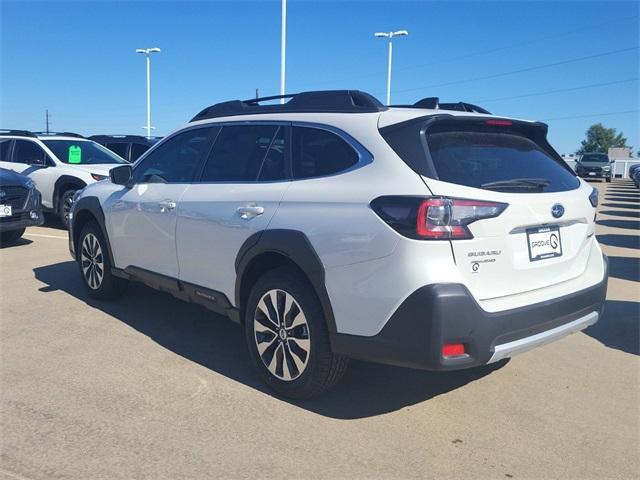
63	184
296	248
89	206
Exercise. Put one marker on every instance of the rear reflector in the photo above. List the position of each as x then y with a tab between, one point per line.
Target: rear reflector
503	123
453	349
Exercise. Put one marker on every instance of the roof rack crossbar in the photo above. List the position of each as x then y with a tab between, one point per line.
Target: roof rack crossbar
324	101
433	103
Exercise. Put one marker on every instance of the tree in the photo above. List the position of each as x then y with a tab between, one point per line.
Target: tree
600	139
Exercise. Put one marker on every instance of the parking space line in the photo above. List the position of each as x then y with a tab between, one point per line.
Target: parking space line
44	236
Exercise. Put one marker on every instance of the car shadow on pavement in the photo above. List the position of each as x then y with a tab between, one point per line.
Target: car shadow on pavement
18	243
625	268
619	327
621	205
218	344
628	224
621	213
616	240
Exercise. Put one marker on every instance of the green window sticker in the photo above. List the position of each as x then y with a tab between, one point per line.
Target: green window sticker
75	154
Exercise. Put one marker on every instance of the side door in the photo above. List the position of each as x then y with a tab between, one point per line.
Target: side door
142	218
239	190
31	160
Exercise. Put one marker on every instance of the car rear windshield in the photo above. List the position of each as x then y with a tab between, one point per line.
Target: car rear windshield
595	157
502	161
82	152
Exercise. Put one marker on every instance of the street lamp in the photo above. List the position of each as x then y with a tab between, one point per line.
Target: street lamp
390	35
283	47
147	52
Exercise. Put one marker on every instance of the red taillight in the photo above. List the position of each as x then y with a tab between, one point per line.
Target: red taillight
499	123
453	349
447	218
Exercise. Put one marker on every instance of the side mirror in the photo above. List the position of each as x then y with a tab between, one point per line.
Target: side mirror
121	175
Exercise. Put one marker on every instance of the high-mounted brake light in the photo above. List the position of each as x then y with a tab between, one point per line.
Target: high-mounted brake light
434	218
447	218
503	123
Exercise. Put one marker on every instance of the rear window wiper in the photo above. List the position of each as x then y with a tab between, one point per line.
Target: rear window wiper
528	183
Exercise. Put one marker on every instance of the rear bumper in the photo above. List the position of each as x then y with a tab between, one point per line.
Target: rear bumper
447	313
595	174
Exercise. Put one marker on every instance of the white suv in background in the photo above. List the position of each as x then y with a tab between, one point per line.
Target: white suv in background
59	164
433	236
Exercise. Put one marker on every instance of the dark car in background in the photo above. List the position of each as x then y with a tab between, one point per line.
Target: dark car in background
129	147
20	205
595	165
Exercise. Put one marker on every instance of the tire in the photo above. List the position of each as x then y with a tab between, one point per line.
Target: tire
11	236
64	207
95	265
608	180
297	361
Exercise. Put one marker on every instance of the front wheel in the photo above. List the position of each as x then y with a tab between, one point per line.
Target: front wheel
95	265
64	207
608	180
287	336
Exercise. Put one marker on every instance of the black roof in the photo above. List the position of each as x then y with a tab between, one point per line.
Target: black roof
325	101
27	133
124	138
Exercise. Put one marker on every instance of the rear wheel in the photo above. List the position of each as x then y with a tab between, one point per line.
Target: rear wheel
95	265
11	236
287	336
64	207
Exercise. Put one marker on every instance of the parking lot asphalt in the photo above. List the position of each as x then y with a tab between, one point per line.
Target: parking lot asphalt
150	387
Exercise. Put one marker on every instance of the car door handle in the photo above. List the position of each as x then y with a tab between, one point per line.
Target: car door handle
250	211
166	206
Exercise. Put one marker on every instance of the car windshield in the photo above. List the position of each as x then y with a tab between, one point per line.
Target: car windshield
82	152
595	157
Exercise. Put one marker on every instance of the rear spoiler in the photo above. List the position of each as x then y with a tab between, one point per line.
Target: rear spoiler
409	141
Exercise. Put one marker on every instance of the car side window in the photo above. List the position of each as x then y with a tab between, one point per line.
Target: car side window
5	145
247	153
137	149
28	152
316	153
176	160
118	148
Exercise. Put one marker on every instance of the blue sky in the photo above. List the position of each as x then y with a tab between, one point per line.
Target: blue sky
77	59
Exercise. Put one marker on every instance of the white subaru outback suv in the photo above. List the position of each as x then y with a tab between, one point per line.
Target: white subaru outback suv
59	164
432	236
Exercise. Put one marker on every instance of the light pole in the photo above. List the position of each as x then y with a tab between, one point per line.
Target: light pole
283	47
390	35
147	52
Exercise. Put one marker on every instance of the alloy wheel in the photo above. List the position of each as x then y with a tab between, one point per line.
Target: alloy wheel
67	204
281	333
92	261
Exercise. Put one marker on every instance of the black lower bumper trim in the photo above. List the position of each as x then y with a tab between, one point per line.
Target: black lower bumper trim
447	313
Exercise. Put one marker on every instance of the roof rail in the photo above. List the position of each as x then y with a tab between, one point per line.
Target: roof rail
16	133
59	134
433	103
324	101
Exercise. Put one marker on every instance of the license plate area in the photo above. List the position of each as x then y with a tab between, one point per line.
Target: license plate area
5	211
544	242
